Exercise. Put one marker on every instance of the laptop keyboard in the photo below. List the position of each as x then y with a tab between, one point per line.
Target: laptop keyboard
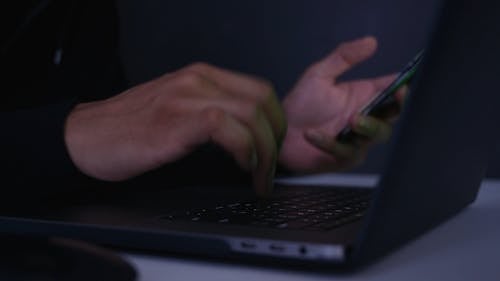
316	210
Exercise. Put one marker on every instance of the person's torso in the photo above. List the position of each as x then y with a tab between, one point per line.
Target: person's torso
53	50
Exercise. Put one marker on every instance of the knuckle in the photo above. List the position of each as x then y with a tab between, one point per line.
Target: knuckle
199	67
165	76
266	90
190	79
213	118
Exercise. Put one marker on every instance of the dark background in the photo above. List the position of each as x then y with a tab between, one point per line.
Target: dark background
275	39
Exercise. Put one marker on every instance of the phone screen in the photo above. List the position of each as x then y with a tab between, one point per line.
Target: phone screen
386	96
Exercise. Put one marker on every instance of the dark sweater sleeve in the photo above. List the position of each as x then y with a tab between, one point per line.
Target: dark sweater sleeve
33	148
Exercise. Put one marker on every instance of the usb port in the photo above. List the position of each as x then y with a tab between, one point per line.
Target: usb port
277	248
248	245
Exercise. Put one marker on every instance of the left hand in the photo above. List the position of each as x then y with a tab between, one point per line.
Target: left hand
318	108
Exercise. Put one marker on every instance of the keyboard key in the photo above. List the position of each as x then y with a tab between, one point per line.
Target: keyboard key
319	210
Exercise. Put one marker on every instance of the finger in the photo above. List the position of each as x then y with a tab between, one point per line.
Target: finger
251	152
256	124
267	149
391	108
382	82
392	111
371	128
341	151
345	56
402	94
191	131
251	87
233	137
256	121
248	112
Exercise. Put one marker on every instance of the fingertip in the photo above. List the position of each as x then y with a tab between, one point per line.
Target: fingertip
261	193
270	180
345	56
254	160
363	121
343	151
372	128
366	126
402	93
263	189
370	40
249	161
366	45
263	180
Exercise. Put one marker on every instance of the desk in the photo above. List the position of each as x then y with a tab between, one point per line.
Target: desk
466	247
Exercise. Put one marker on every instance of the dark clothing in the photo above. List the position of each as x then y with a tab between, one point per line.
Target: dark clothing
53	55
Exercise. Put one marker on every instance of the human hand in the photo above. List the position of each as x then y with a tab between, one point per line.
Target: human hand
319	107
161	121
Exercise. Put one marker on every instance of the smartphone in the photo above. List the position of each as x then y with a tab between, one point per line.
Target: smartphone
386	97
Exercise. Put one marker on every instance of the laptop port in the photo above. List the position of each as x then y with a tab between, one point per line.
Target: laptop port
277	248
303	250
248	245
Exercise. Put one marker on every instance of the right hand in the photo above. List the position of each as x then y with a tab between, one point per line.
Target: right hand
163	120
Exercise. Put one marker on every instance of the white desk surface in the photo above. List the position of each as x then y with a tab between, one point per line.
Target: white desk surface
466	247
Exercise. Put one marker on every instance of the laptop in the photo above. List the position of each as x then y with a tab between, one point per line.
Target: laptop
438	157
